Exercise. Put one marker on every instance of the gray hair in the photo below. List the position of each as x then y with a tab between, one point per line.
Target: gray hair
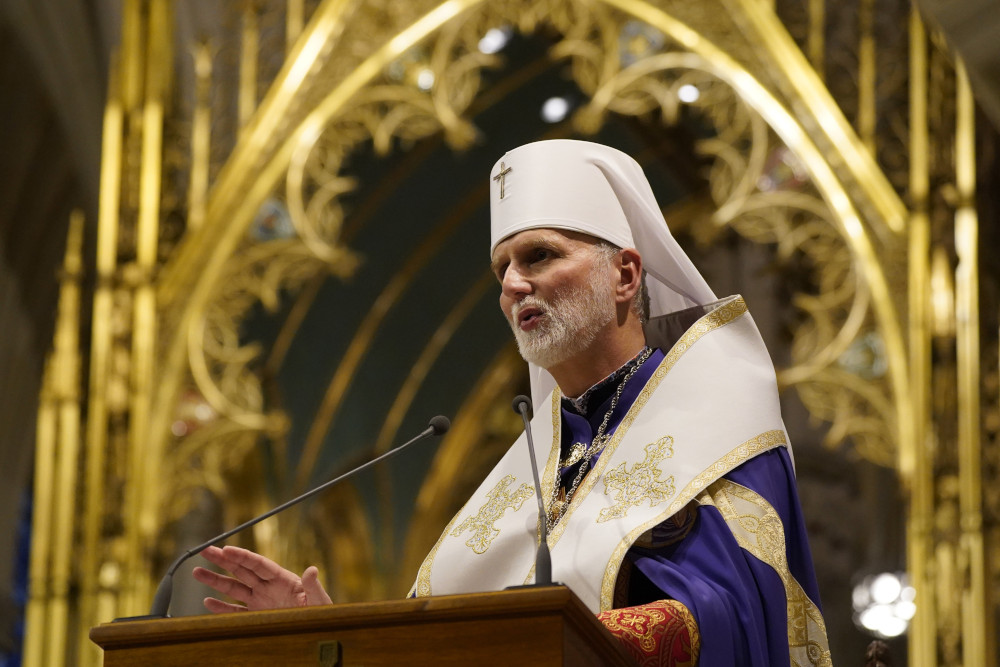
640	302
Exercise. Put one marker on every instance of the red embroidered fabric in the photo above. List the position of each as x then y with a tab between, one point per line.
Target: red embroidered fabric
658	634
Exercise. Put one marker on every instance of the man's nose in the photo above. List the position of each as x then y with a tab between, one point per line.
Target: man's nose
515	284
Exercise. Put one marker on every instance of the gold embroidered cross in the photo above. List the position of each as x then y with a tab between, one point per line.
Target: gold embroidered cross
498	501
642	483
501	176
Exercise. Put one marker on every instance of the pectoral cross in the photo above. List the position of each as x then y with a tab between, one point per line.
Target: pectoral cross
501	176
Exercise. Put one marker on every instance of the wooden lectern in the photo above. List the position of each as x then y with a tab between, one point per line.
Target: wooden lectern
530	626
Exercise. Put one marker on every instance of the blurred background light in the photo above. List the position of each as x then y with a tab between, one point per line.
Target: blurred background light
688	93
494	40
883	604
555	109
425	80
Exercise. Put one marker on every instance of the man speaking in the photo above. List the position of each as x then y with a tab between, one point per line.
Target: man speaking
667	480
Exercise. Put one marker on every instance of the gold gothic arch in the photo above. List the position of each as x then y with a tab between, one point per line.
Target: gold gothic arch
312	110
750	122
786	169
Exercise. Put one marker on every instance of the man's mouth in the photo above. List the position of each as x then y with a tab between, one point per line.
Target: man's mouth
527	318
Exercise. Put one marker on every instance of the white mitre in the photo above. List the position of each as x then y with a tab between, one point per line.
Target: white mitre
600	191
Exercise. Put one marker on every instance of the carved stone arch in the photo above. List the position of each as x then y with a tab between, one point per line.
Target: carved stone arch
347	81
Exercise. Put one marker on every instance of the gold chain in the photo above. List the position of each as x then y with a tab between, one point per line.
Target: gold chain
558	505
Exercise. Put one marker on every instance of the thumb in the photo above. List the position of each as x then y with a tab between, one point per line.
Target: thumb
315	593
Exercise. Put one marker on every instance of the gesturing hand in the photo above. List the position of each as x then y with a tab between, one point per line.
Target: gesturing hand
257	582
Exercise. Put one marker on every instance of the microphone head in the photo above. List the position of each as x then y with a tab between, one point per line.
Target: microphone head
440	424
520	400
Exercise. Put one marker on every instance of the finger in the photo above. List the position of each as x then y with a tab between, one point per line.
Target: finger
207	577
220	607
264	569
315	593
226	585
236	560
217	556
223	560
233	559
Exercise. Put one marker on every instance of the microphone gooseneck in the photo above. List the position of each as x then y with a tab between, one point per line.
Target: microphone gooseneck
161	600
543	558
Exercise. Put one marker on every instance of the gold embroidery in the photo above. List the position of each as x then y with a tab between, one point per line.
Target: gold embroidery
758	529
643	624
638	623
422	587
641	484
497	502
549	476
742	453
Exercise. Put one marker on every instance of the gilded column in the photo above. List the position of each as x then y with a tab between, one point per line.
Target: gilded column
976	616
56	480
39	594
94	555
68	446
142	498
916	461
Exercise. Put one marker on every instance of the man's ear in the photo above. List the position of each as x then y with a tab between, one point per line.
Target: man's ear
629	275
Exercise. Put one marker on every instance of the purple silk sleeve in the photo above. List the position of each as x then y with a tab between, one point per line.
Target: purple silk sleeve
738	601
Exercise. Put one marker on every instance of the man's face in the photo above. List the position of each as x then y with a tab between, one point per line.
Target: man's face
556	292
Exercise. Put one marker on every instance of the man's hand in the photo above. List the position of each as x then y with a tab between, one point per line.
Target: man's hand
257	582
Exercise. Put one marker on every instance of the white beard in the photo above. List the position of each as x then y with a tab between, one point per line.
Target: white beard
570	323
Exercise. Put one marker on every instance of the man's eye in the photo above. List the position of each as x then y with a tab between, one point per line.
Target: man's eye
542	254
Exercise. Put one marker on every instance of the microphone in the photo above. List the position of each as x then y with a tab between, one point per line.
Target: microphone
543	558
161	601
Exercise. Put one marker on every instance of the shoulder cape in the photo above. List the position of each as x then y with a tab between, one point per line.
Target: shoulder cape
710	405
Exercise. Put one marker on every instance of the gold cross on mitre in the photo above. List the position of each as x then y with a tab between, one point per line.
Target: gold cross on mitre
501	176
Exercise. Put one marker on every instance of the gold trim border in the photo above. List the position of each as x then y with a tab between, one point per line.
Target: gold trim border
807	637
422	586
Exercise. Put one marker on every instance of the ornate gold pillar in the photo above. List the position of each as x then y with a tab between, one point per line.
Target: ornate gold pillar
914	463
96	599
977	612
944	476
141	483
51	575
